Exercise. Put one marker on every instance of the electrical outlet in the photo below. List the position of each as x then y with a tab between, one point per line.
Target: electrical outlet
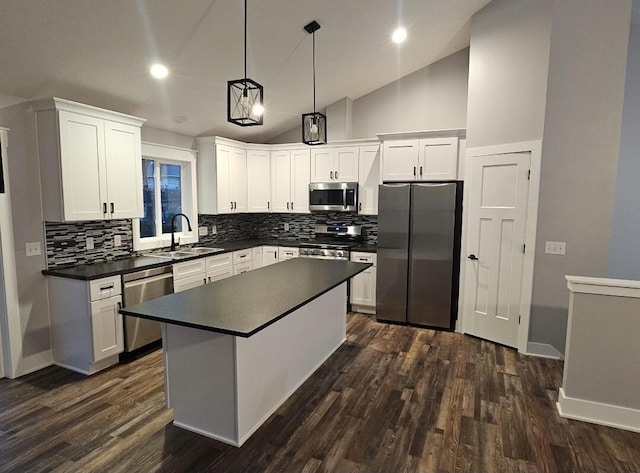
117	240
286	227
89	243
214	230
33	249
555	247
202	231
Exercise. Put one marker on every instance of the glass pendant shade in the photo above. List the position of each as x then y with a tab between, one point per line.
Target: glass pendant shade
244	102
314	129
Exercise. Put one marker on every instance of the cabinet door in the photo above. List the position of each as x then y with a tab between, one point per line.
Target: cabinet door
269	255
106	328
189	283
400	160
84	183
223	186
300	178
258	181
368	179
238	179
281	181
345	162
438	159
218	274
322	168
123	152
363	286
256	259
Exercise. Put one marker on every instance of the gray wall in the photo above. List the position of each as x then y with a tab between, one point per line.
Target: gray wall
580	152
168	138
625	251
434	97
508	67
26	207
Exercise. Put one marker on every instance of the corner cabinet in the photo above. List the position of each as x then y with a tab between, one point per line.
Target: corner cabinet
90	162
421	156
86	326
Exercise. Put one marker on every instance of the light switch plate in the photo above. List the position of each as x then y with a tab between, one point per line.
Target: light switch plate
202	231
89	243
555	247
214	230
117	240
33	248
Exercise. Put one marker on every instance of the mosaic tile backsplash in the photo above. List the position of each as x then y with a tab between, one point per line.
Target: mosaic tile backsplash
66	242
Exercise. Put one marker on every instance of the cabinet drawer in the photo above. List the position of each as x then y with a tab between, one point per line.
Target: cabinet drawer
241	256
242	267
285	253
219	262
105	287
364	257
189	268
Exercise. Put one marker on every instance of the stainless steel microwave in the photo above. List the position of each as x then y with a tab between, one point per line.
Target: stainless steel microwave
333	196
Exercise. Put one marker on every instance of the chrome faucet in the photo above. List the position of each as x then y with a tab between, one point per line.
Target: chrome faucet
173	229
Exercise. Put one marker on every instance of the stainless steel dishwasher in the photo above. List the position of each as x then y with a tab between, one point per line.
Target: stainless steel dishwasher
139	287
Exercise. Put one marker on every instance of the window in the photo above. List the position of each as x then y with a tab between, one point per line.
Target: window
168	188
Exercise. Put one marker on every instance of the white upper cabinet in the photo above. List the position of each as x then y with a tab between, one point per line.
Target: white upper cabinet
222	177
334	164
90	161
258	181
368	179
426	158
290	171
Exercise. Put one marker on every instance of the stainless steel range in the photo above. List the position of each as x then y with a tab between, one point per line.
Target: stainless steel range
332	242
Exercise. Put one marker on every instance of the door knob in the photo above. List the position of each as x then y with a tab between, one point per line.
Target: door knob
472	257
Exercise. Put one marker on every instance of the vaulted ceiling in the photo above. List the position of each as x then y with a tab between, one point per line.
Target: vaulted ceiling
98	52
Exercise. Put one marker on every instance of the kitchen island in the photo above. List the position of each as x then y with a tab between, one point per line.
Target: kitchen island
236	349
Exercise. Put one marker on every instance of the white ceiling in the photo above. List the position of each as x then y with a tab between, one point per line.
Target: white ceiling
98	52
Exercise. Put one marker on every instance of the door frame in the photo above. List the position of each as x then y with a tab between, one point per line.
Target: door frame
533	149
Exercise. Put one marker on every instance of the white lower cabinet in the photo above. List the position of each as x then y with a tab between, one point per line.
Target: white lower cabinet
256	254
269	255
86	327
363	286
219	267
242	267
189	274
287	252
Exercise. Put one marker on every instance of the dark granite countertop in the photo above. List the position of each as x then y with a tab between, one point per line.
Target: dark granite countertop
366	248
247	303
88	272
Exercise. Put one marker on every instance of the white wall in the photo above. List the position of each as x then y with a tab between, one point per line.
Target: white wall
625	250
434	97
29	324
508	67
580	152
167	138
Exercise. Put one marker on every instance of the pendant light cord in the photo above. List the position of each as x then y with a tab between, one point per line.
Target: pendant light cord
245	39
314	72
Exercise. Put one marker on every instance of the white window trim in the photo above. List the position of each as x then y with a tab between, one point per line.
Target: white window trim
180	156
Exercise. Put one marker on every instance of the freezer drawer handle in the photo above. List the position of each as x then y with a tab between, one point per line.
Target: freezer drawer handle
472	257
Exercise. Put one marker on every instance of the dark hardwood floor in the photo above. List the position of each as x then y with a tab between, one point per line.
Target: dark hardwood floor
391	399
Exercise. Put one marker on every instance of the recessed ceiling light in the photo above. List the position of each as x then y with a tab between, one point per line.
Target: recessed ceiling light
399	35
159	71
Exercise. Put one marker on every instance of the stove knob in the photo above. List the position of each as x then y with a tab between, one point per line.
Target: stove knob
339	254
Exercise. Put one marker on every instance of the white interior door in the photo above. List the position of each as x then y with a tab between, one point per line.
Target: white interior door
496	221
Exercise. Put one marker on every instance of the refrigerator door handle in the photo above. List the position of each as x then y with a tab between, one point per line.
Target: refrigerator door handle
473	257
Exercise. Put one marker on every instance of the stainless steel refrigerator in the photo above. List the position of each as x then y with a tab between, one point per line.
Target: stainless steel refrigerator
418	269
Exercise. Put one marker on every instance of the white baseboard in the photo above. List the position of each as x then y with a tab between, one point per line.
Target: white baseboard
543	350
598	413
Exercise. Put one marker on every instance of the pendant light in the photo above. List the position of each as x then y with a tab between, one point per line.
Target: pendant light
245	97
314	125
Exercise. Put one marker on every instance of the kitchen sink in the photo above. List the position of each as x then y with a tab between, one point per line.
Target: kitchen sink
185	252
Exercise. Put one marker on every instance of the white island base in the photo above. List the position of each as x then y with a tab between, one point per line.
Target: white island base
225	387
